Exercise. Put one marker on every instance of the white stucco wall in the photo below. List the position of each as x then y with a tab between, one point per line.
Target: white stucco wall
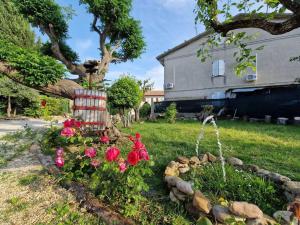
192	79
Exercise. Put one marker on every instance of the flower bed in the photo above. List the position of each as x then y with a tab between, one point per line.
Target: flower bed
113	172
246	197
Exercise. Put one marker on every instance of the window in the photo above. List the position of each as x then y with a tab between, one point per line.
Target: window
218	68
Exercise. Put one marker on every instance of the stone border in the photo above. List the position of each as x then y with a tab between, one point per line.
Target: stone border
200	206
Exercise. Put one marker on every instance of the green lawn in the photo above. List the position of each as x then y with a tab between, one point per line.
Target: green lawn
273	147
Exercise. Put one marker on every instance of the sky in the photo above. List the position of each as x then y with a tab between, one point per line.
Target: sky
165	24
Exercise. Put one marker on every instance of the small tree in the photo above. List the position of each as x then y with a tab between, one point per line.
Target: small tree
171	113
16	94
145	85
124	95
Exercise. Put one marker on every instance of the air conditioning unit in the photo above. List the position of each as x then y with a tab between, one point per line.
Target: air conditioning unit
251	77
169	86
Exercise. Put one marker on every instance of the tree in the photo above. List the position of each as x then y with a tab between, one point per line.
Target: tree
145	85
17	95
124	95
120	40
13	27
220	20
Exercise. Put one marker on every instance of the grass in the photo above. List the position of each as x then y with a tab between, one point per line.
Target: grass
273	147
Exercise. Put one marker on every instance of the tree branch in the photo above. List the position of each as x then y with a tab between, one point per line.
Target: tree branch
274	28
63	88
73	68
291	5
94	25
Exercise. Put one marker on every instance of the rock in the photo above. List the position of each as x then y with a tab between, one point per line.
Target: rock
211	157
183	160
284	217
193	211
201	202
172	169
245	210
173	198
184	169
251	168
292	187
278	178
172	180
221	213
195	160
203	158
185	187
263	173
266	220
178	194
235	161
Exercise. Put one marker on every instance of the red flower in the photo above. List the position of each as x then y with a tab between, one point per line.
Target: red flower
131	138
133	158
77	124
137	136
67	132
59	162
43	103
143	155
90	152
112	154
95	163
68	123
104	139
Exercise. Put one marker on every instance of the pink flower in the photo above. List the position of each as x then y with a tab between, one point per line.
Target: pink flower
143	155
122	167
59	162
95	163
59	152
112	154
133	158
104	139
90	152
67	132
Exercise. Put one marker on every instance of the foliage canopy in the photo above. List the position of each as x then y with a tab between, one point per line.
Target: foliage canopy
125	93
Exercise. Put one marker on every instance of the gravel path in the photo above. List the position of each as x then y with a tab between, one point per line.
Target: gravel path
28	195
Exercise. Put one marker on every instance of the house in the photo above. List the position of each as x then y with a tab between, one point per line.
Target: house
272	90
154	96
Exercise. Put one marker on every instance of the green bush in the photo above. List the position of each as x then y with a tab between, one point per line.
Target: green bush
239	186
145	110
54	107
171	113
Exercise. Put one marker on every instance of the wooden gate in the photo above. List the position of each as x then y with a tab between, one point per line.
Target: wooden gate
90	108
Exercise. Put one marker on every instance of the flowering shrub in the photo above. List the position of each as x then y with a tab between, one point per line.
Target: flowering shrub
116	175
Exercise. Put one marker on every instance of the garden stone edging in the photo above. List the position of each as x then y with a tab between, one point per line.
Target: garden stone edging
199	205
85	198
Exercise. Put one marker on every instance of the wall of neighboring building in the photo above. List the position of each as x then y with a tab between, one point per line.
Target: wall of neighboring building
155	99
192	79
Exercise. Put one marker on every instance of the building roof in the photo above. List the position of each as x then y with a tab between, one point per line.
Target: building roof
205	33
155	93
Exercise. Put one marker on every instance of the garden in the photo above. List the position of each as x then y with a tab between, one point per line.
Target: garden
132	175
113	160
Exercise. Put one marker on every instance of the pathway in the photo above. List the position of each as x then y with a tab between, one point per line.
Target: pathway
28	195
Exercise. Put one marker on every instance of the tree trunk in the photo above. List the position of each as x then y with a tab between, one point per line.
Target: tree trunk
137	114
15	112
8	111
